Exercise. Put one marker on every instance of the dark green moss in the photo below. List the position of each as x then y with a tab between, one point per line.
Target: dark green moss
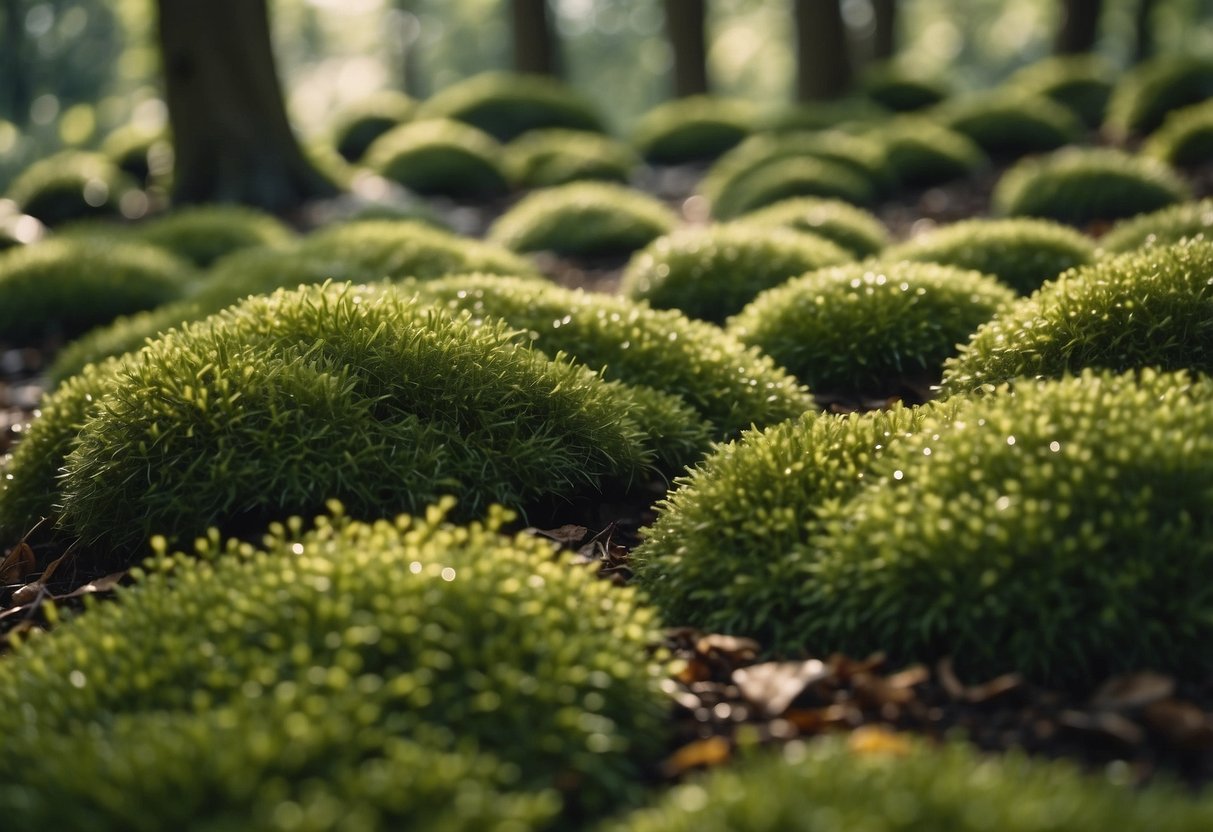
1185	138
855	229
506	105
202	234
1009	125
896	89
440	156
1143	97
359	125
698	128
545	158
921	153
70	185
1165	227
1081	83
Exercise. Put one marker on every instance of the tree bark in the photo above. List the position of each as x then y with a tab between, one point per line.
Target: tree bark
822	59
232	141
14	67
884	38
1079	26
534	41
1143	31
685	23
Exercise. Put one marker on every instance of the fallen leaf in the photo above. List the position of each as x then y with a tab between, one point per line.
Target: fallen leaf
1181	723
773	686
18	564
1133	690
736	648
1105	724
566	535
877	740
712	751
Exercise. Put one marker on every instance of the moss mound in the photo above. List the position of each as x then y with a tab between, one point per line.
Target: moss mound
506	105
710	273
143	154
1080	83
283	401
546	158
921	153
358	126
1165	227
856	230
791	177
1006	125
730	386
845	113
1185	138
1067	554
440	156
369	674
1152	308
1022	253
730	549
899	90
693	129
586	219
204	233
70	185
64	287
1143	97
899	785
1081	185
869	327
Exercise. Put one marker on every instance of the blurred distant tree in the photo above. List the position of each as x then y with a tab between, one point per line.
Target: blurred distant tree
15	93
1079	26
822	58
685	22
884	36
1143	30
535	47
232	141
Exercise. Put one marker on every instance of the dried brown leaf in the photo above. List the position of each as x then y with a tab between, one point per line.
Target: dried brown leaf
18	564
712	751
1133	690
1104	724
736	648
773	686
1182	724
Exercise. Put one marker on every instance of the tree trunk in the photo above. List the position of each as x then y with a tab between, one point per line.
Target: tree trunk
15	95
822	62
1143	31
685	22
232	141
1079	26
884	38
534	42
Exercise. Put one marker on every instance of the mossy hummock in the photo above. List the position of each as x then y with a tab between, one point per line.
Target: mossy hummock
391	674
711	273
1185	138
440	156
1083	185
359	125
546	158
505	105
731	386
583	219
1151	308
70	185
1080	83
856	230
900	90
921	153
1007	125
1161	228
1054	529
870	328
1144	96
1022	253
205	233
143	153
694	129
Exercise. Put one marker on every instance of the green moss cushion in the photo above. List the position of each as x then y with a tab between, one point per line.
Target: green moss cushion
693	129
729	385
358	675
921	153
711	273
791	177
145	154
869	327
830	785
1152	308
1081	185
203	234
1007	125
583	219
1185	138
1165	227
729	551
897	89
65	287
1022	253
1081	83
1143	97
367	119
506	105
856	230
285	400
70	185
440	156
1054	530
545	158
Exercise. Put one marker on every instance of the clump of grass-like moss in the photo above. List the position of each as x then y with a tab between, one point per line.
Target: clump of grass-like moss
546	158
791	177
1022	253
440	156
1053	529
1165	227
64	287
1081	185
1007	125
392	674
1144	96
711	273
1185	138
202	234
697	128
1081	83
921	153
70	185
359	125
856	230
505	105
1151	308
585	219
730	386
730	549
869	328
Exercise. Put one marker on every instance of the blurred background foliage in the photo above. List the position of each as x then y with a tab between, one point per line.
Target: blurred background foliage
73	70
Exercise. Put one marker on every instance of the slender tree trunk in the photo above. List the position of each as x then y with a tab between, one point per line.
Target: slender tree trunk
884	39
409	26
534	41
15	95
1079	26
822	59
1143	31
685	23
232	141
